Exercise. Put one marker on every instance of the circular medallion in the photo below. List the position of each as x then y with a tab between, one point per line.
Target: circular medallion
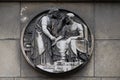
57	41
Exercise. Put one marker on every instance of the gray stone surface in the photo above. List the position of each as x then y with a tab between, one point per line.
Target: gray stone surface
10	58
41	0
110	78
87	70
107	58
64	0
107	45
107	20
28	71
74	0
30	10
85	11
9	20
78	78
69	78
6	78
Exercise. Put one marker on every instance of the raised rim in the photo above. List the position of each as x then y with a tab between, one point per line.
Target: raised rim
28	60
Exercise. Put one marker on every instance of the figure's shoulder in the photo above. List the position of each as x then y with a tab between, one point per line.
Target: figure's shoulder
79	26
45	17
45	20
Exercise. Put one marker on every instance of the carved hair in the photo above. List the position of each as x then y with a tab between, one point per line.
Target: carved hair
53	10
70	15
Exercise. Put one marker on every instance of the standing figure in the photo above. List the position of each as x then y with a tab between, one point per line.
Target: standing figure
50	25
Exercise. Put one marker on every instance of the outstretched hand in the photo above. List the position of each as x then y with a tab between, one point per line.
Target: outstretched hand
56	40
53	38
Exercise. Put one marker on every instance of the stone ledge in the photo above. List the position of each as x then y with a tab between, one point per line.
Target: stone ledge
59	1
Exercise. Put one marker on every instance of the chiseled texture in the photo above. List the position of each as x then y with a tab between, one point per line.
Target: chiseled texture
102	18
32	9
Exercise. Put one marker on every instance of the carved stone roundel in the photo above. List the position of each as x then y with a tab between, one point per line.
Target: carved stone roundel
57	41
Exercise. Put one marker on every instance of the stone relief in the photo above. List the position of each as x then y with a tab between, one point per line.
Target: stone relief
57	41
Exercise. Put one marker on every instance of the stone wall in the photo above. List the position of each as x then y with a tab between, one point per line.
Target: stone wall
103	18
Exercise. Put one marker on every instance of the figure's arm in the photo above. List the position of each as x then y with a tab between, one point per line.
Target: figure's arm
44	24
45	30
57	39
80	28
71	38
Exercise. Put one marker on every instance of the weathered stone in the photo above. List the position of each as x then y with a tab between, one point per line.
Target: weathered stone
73	78
110	78
9	20
10	58
107	58
6	78
87	70
85	11
27	70
107	21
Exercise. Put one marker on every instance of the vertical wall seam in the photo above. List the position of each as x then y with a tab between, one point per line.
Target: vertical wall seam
94	34
20	38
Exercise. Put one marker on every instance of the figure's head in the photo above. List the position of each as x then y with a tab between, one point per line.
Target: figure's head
53	12
69	17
